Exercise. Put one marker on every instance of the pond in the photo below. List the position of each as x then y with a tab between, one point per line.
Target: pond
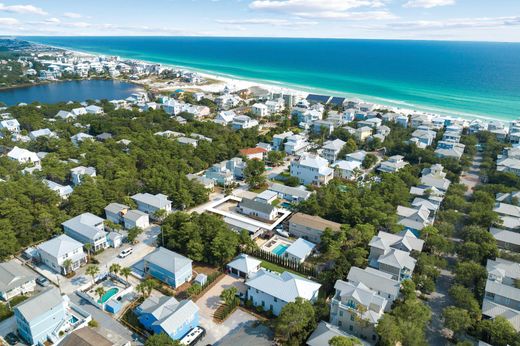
69	91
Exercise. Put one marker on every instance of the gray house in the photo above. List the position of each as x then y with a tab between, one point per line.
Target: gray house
87	228
15	279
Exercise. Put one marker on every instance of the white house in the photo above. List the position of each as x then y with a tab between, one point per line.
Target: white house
24	156
299	250
260	110
312	170
295	144
64	191
244	266
136	218
273	291
79	172
87	228
65	115
10	125
331	149
78	138
225	117
78	111
347	169
259	210
241	122
15	279
378	281
93	109
34	135
393	164
57	250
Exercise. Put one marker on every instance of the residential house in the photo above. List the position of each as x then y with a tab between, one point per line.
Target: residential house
168	266
290	194
425	137
206	182
279	139
325	127
87	337
150	204
266	196
244	266
390	253
506	239
188	141
357	309
220	174
15	279
93	109
114	212
241	122
39	316
225	117
295	144
358	156
57	250
227	101
81	137
378	281
402	120
435	177
275	106
312	170
420	119
272	291
34	135
347	169
253	153
310	227
24	156
299	250
502	295
166	315
257	210
324	332
449	150
65	115
87	228
363	133
331	149
10	125
392	164
260	110
136	218
64	191
414	219
78	173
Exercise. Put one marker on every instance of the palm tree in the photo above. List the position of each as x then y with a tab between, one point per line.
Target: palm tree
88	247
141	288
114	268
149	285
92	271
126	271
67	264
228	295
100	291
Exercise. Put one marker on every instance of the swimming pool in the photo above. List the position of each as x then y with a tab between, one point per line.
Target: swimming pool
73	319
108	294
280	249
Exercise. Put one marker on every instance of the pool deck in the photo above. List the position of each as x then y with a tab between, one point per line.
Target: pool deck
274	242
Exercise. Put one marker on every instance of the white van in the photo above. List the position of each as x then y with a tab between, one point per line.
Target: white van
193	336
126	252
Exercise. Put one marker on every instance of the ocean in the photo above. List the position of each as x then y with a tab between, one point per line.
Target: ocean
468	79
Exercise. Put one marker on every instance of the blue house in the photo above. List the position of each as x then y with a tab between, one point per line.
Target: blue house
168	266
37	318
167	315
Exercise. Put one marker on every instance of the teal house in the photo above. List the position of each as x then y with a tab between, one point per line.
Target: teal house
168	266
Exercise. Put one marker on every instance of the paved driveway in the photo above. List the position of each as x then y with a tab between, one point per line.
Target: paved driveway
209	303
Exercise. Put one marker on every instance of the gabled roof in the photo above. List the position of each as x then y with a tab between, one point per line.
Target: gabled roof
362	295
398	259
13	274
385	241
85	337
134	215
286	286
85	224
116	208
255	205
158	201
177	316
335	145
40	304
168	260
326	331
21	154
493	310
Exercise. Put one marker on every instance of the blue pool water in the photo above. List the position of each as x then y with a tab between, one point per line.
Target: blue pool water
280	249
108	294
461	78
73	319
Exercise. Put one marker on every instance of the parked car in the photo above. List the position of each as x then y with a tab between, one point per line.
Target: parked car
126	252
42	281
193	336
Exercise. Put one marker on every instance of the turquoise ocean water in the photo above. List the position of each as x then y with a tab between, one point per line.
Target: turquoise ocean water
456	78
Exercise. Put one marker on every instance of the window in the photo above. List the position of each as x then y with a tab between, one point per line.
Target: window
275	300
341	313
352	317
350	328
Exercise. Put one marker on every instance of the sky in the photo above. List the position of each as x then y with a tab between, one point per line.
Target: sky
467	20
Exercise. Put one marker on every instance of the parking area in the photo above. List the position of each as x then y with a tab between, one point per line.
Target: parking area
209	303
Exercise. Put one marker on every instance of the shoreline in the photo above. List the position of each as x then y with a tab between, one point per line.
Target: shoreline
240	82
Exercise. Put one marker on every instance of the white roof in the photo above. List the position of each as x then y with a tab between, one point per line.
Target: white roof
347	165
245	264
335	145
285	286
158	201
398	259
363	295
20	154
301	248
374	279
60	246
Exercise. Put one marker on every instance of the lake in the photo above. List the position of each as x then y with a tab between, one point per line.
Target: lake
69	91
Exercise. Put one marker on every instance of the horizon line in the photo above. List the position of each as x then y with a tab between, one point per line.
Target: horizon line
264	37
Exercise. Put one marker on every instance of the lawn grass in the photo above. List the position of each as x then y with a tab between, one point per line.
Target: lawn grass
5	312
276	268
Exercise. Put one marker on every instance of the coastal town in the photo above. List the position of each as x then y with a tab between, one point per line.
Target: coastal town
205	211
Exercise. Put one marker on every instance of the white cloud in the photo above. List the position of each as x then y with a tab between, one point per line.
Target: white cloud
326	9
8	21
428	3
485	22
265	21
72	15
24	9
